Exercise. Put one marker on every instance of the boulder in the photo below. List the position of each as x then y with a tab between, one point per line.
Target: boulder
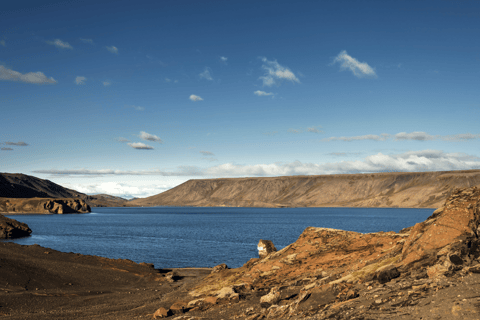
219	268
265	247
161	313
11	229
272	298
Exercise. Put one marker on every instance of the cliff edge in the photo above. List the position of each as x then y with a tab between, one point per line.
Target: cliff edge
337	274
11	229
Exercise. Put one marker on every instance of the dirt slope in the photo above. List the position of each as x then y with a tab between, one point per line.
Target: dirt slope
405	189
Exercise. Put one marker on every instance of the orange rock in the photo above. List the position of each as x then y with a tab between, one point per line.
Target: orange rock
161	313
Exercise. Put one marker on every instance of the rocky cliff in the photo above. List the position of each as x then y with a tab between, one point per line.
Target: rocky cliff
43	205
409	190
11	229
336	274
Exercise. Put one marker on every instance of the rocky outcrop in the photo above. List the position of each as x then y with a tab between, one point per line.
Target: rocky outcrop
395	189
43	206
329	273
265	247
11	229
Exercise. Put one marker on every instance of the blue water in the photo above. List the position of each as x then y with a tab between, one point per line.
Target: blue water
199	237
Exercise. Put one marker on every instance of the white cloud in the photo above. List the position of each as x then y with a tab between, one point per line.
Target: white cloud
2	42
122	140
80	80
206	74
149	137
106	83
31	77
20	143
112	49
139	145
263	93
271	133
359	69
138	108
90	41
126	190
412	161
195	98
374	137
60	44
207	153
223	59
294	131
274	72
167	80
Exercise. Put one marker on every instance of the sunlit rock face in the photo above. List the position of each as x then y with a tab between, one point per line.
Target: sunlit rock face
325	267
43	205
265	247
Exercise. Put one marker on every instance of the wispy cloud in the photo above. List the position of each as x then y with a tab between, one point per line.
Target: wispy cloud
60	44
3	43
139	145
206	74
195	98
274	73
224	59
412	161
20	143
412	136
106	83
89	41
417	135
112	49
263	93
271	133
207	153
359	69
122	140
314	129
382	137
138	108
149	137
295	131
31	77
80	80
7	149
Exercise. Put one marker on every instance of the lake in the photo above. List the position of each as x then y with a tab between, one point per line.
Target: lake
199	237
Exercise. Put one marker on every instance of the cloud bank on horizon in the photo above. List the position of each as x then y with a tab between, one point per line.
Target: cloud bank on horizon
179	91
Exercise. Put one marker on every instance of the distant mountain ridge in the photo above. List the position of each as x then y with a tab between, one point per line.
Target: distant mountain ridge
397	189
17	185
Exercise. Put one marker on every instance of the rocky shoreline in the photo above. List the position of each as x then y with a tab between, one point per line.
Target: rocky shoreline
12	206
428	271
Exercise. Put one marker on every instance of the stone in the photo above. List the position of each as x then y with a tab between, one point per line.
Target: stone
265	247
161	313
270	299
387	273
227	294
178	307
219	268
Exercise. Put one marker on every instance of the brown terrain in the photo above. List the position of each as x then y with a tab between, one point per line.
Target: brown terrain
15	186
400	189
427	271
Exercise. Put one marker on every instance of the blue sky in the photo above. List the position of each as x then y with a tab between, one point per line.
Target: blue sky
133	98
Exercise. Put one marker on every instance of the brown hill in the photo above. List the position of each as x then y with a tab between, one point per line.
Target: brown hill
398	189
16	185
43	205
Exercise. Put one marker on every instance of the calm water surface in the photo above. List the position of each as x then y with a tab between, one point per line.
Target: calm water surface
199	237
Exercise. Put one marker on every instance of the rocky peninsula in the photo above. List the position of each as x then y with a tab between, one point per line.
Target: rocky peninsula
427	271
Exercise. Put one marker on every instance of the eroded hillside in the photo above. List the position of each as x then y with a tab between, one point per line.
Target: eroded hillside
409	190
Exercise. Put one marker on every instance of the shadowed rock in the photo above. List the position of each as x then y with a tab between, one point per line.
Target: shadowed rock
11	229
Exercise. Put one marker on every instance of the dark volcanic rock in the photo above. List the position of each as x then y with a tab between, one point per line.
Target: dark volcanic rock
11	229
